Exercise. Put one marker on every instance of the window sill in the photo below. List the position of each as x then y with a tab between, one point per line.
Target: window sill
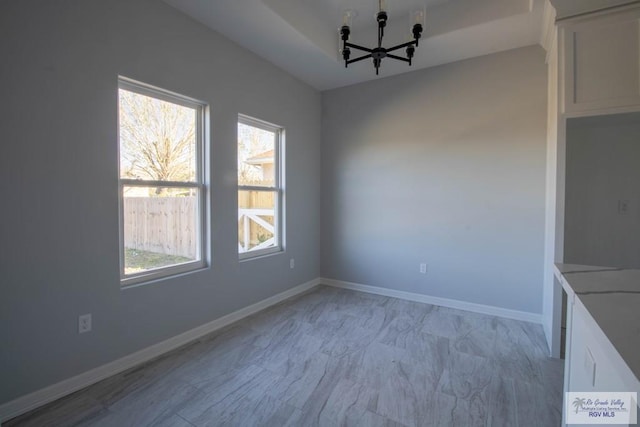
162	274
249	256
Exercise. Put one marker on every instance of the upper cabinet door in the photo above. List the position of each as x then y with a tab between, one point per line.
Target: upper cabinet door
601	61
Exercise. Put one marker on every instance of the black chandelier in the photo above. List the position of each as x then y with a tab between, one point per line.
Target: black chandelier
379	52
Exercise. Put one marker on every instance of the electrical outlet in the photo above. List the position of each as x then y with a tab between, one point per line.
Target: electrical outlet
423	268
84	323
292	263
623	207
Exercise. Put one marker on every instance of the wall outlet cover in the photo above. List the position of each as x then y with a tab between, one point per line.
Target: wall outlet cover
84	323
623	207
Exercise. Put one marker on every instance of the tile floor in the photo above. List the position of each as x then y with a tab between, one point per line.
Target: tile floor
333	357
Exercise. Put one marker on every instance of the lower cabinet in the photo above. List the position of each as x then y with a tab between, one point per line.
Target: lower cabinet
591	361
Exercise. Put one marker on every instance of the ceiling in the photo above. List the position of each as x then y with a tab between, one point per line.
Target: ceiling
301	36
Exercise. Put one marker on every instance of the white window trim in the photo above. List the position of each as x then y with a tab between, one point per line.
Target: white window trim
278	188
127	280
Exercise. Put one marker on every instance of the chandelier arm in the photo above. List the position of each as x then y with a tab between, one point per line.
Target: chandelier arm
399	58
400	46
355	46
351	61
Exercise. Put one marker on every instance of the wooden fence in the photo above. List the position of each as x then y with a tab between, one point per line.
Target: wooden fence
167	225
255	219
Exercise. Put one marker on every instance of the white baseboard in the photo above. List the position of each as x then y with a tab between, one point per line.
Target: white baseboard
444	302
48	394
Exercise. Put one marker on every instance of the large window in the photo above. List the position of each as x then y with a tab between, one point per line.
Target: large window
161	143
259	187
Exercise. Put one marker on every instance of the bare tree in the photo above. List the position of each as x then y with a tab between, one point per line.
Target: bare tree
251	142
157	139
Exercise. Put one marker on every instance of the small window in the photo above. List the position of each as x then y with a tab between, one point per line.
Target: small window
260	190
161	143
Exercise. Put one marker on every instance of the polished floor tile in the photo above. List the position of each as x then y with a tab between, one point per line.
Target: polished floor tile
333	357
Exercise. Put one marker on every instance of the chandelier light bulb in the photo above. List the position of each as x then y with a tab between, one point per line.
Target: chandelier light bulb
347	18
416	17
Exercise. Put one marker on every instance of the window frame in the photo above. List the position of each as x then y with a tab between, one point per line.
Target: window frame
278	188
199	184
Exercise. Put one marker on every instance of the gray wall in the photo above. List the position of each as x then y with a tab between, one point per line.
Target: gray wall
445	166
58	181
603	158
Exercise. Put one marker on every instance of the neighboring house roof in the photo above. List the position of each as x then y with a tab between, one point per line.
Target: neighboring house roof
262	158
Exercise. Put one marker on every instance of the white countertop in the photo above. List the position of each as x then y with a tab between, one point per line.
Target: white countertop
612	298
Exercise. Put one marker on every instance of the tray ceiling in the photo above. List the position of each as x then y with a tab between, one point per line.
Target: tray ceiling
301	36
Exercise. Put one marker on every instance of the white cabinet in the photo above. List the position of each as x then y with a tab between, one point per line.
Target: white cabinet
600	60
592	363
